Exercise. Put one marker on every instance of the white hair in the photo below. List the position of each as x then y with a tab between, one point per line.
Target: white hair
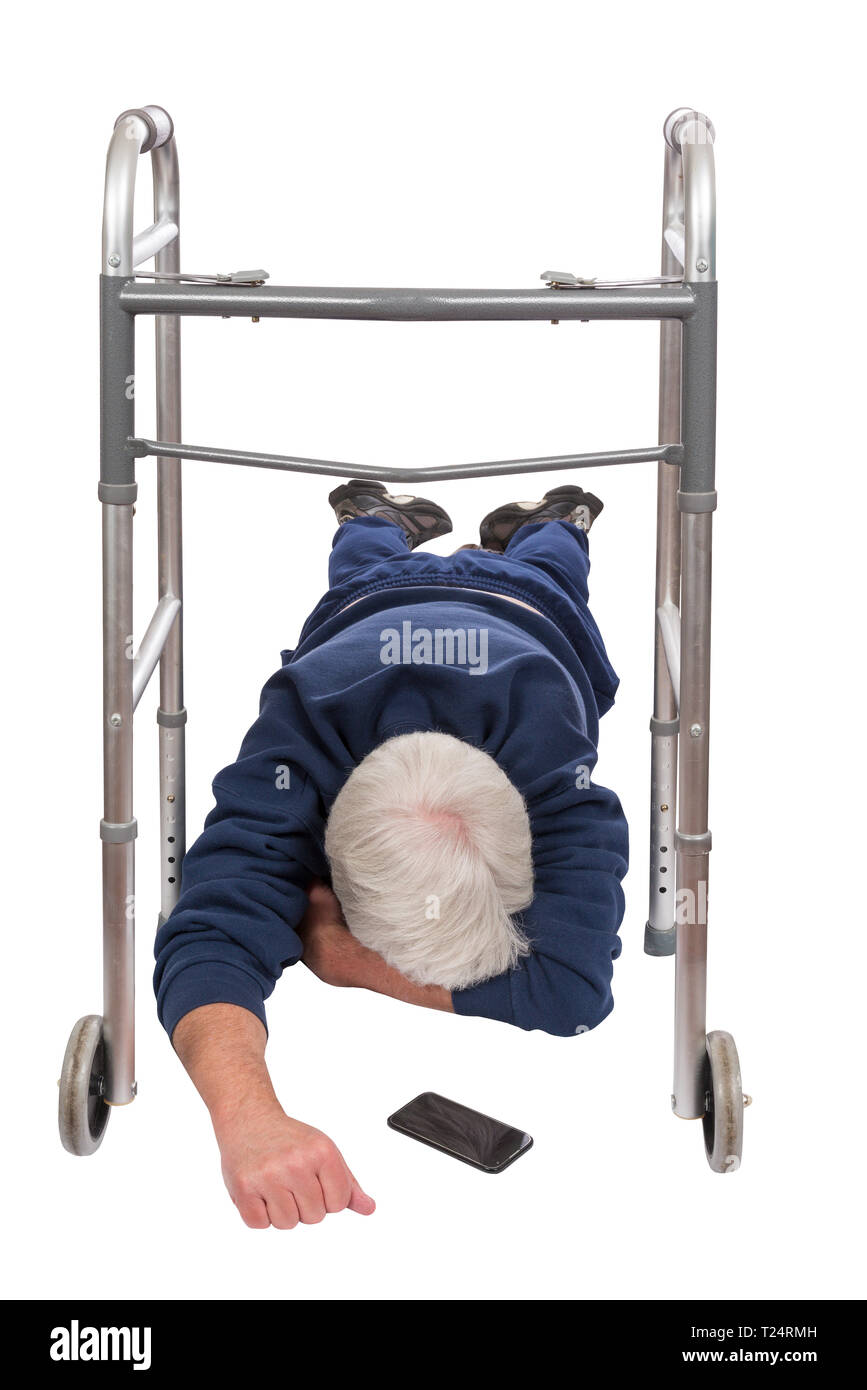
431	856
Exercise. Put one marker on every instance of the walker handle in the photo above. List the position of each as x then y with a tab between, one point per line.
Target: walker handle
142	130
689	227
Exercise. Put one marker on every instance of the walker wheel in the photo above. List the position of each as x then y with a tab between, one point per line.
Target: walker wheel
82	1114
723	1120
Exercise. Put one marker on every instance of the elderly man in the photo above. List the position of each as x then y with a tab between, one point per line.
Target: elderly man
426	751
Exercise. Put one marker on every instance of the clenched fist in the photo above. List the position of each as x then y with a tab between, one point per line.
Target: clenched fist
280	1171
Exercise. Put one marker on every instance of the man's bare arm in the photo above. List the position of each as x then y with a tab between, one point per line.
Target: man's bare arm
278	1170
338	958
374	974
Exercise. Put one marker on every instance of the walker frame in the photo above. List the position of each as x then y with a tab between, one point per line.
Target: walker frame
99	1067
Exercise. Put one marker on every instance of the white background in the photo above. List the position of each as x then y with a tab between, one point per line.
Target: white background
454	144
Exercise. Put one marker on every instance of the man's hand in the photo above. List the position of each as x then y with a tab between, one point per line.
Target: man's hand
337	958
278	1170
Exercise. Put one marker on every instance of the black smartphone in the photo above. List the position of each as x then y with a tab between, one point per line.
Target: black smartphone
455	1129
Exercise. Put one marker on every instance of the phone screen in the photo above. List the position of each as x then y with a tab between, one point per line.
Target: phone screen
464	1133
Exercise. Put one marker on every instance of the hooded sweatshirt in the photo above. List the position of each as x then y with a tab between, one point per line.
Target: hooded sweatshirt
525	685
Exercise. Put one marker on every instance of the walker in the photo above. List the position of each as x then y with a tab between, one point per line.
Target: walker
99	1065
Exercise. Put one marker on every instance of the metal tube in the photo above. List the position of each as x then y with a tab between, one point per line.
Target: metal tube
152	240
690	134
675	240
696	141
118	867
117	209
171	715
117	490
690	990
668	620
405	305
699	395
695	672
659	935
291	464
696	500
152	644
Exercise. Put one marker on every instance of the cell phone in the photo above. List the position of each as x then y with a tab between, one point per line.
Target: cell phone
454	1129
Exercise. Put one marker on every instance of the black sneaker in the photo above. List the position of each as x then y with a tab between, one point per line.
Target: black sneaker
568	503
419	519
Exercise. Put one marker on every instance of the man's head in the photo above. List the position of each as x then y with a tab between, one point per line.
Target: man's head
430	852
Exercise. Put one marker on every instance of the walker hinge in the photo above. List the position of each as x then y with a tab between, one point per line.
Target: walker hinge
565	280
232	277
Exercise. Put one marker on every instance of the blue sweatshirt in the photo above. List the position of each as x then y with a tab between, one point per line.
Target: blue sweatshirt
352	683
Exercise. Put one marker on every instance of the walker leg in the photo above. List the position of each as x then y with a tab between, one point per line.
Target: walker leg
118	828
693	837
707	1082
659	934
171	715
99	1066
696	501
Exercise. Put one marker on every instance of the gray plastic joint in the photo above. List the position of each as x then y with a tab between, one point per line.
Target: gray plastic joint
118	832
677	119
693	844
696	501
121	494
159	124
664	727
659	943
171	719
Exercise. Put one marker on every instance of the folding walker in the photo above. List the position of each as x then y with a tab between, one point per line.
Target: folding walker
98	1069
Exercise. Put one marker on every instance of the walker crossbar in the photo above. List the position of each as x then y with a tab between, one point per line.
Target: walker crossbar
406	306
99	1063
143	448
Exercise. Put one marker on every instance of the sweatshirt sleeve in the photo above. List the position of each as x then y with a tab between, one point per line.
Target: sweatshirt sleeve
580	856
244	880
